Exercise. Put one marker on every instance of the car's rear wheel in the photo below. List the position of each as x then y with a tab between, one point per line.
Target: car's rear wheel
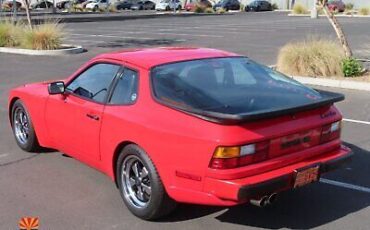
140	185
23	130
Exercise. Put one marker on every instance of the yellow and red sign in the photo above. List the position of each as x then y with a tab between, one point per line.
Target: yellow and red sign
29	223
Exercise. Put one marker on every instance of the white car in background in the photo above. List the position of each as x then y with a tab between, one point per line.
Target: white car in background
168	5
97	4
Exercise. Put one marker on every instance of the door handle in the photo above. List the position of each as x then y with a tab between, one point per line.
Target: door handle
92	116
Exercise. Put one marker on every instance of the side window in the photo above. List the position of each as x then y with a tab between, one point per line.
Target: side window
94	82
125	91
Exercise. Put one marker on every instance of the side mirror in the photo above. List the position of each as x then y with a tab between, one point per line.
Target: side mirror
56	87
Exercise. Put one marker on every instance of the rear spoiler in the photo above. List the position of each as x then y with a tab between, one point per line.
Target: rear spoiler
328	98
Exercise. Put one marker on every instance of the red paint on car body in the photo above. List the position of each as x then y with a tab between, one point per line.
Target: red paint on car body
180	145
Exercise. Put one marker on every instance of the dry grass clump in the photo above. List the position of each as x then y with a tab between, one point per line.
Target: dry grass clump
312	57
221	11
209	10
199	8
364	11
9	34
46	36
298	8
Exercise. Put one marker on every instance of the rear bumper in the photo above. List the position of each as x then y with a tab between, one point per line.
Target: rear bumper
244	189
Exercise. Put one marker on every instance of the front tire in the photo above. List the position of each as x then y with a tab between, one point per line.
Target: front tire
23	129
140	185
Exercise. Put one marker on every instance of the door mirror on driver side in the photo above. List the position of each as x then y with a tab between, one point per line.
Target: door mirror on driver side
56	87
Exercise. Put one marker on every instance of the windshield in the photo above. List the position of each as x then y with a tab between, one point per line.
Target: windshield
234	85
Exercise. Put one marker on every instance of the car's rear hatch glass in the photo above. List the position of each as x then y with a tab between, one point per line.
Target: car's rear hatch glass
232	89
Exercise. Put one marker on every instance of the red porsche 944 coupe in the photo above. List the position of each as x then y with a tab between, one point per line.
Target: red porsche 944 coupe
189	125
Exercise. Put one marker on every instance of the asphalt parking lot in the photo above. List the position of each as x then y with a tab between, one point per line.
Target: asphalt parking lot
66	194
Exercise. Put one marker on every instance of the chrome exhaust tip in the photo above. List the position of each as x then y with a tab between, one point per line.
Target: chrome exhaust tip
272	198
260	202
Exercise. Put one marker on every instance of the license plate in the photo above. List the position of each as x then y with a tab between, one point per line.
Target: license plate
306	176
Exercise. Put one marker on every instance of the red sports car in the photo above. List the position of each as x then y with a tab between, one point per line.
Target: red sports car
189	125
336	6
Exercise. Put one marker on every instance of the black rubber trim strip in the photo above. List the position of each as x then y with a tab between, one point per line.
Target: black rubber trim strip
265	188
336	163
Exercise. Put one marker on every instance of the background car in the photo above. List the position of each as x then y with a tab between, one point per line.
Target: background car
67	4
124	5
168	5
190	5
227	5
336	6
143	5
259	5
8	5
97	4
42	5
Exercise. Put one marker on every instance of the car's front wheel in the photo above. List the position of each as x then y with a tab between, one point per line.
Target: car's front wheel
140	185
23	130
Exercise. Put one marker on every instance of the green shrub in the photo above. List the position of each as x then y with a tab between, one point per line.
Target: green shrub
298	8
209	10
351	67
9	33
349	6
199	9
275	6
312	57
364	11
46	36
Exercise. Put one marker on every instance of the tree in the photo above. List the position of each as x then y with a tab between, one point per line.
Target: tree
337	27
27	6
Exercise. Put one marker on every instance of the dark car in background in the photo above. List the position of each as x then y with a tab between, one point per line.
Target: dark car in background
227	5
42	5
259	5
336	6
124	5
190	5
143	5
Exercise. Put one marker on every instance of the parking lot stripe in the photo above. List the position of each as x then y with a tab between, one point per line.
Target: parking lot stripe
3	155
357	121
345	185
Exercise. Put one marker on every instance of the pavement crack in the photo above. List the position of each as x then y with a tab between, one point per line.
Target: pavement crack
18	161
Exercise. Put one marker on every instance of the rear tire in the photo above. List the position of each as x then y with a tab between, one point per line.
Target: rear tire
140	185
23	129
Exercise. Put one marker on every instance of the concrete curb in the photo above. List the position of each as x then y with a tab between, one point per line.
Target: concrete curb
67	51
344	84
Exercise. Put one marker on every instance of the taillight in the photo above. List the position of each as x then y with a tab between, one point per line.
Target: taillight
330	132
237	156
